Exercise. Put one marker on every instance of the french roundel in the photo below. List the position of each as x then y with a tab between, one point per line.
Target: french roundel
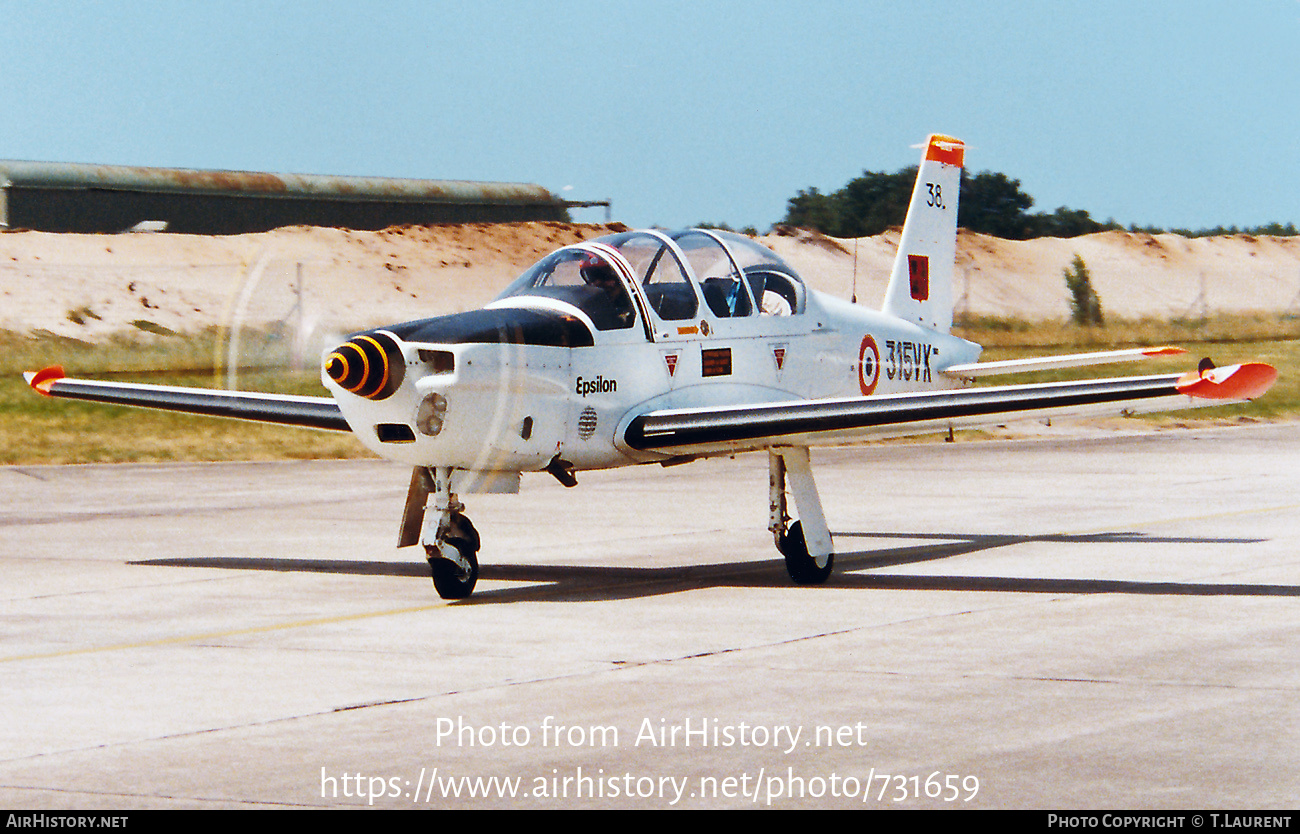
868	365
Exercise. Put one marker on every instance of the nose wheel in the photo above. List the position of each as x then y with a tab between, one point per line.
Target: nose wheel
453	564
434	518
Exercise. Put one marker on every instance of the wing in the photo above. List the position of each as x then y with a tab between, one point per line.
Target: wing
309	412
817	422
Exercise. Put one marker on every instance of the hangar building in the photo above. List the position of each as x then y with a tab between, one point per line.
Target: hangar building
64	197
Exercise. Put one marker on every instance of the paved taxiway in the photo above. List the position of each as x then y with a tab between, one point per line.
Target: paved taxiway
1108	622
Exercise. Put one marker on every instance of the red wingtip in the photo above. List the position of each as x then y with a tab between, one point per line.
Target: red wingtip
1167	350
42	380
1234	382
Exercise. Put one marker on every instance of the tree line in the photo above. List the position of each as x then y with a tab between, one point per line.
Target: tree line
990	203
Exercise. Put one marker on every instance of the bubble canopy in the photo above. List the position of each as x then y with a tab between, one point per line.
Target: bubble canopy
670	276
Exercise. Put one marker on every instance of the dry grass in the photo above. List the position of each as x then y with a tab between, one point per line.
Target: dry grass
1225	339
1225	328
37	430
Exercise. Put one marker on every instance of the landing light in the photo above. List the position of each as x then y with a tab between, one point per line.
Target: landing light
429	416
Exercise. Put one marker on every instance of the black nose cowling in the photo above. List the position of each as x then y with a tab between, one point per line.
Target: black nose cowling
369	365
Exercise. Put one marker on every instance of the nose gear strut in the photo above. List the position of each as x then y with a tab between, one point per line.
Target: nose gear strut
450	541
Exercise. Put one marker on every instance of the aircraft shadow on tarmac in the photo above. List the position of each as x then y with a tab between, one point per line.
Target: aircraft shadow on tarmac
558	583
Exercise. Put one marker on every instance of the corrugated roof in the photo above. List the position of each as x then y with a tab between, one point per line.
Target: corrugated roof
250	183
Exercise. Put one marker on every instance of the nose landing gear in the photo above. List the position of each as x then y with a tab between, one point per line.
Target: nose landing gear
453	561
434	518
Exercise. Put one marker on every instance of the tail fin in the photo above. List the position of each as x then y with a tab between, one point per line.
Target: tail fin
920	287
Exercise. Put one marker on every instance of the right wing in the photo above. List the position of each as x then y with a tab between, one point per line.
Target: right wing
308	412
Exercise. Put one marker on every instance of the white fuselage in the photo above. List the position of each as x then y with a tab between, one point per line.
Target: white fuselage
516	407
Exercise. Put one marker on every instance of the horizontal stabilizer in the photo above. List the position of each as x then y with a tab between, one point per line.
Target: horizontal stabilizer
308	412
1047	363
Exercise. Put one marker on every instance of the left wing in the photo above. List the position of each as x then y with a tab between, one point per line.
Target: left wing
724	429
309	412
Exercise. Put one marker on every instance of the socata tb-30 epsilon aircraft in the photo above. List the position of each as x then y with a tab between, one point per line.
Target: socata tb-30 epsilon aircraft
663	347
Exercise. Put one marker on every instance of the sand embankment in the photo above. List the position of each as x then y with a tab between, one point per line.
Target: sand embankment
1135	275
89	286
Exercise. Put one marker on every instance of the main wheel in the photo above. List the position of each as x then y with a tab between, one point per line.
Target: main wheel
450	579
802	567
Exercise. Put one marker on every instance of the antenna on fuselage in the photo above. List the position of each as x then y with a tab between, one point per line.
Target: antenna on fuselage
854	296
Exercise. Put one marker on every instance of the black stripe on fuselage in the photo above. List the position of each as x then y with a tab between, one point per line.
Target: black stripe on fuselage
505	325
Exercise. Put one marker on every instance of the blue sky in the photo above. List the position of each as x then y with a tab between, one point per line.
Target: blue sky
1167	113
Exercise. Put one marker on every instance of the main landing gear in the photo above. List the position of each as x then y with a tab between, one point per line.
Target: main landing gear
806	544
434	518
